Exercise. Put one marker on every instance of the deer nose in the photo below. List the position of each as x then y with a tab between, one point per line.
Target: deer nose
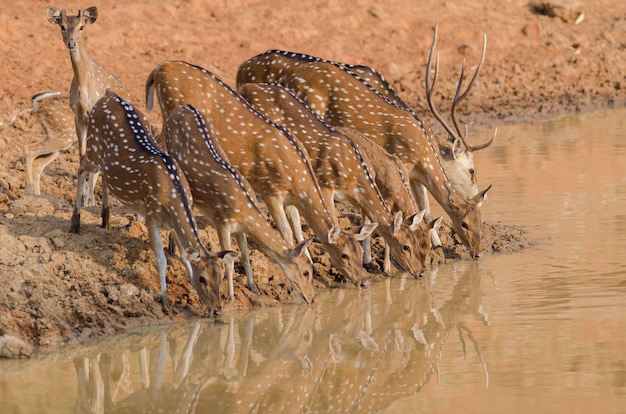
217	313
478	255
364	284
422	273
71	44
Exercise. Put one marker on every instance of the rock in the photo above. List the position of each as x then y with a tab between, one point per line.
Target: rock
32	204
12	347
532	30
567	11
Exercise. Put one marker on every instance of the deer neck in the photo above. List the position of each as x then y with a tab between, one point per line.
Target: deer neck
270	242
186	233
180	216
82	65
429	172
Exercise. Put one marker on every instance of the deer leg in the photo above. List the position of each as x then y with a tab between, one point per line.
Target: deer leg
91	189
242	241
294	220
171	240
277	211
144	370
367	242
387	260
106	208
296	225
223	233
80	189
35	161
82	377
161	261
90	185
38	165
105	366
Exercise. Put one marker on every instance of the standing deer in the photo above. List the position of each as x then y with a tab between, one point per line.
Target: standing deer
341	170
148	181
90	79
274	163
226	198
55	117
342	98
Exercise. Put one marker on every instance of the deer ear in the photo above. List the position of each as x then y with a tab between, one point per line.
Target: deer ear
53	15
90	15
193	255
436	223
457	148
482	196
366	231
415	220
228	256
301	248
397	221
333	234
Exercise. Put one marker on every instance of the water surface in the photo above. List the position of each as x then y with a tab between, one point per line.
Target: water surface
542	330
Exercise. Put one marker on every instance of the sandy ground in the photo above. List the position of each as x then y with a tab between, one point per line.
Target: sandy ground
542	61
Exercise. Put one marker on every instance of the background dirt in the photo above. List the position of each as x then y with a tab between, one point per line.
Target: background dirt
59	288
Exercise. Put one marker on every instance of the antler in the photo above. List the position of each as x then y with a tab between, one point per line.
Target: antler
458	96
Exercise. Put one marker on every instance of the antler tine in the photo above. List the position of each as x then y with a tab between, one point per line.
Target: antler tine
460	97
430	87
481	146
486	144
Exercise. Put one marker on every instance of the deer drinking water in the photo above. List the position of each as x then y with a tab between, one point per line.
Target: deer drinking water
274	163
90	79
342	98
392	180
148	181
227	200
341	169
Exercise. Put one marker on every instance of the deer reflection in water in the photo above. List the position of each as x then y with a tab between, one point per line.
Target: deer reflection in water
375	347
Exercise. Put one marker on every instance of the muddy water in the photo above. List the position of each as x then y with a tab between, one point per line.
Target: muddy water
543	330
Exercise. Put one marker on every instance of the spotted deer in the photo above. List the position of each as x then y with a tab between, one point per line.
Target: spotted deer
342	170
56	118
148	181
227	200
273	162
90	79
392	180
342	98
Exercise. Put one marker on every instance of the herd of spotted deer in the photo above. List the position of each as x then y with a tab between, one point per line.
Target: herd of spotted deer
300	132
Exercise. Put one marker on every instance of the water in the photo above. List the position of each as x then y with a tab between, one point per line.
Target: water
543	330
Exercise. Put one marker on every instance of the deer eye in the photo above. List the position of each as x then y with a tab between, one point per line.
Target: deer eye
202	280
406	248
472	171
465	225
305	273
344	256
